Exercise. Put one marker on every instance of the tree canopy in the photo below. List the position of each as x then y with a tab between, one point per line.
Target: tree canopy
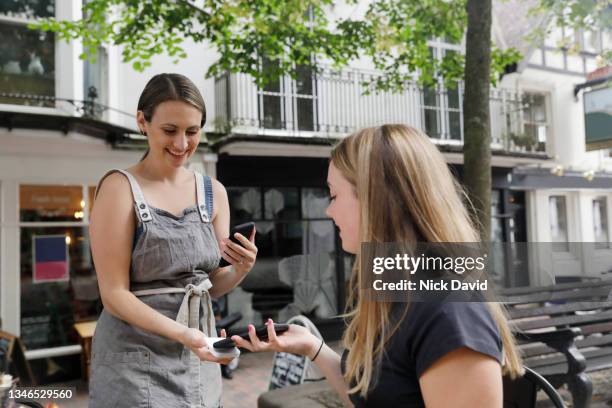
393	33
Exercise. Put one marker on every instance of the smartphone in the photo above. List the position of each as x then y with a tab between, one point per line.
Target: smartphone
261	332
245	229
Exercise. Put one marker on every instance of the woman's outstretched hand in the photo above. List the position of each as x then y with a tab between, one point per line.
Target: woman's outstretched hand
296	340
195	340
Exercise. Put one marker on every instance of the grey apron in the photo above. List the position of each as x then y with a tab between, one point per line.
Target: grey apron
171	259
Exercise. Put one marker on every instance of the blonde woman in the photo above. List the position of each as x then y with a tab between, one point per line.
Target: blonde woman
391	184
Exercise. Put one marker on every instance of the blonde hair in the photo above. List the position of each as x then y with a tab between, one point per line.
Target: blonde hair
423	202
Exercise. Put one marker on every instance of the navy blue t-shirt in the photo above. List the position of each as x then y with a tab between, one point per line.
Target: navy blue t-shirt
427	332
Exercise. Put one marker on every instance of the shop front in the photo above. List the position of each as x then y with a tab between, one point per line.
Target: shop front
49	167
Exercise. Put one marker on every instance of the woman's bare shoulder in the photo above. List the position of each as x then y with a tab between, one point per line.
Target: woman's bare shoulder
114	190
217	186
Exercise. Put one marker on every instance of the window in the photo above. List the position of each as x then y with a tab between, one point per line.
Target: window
442	110
27	9
304	98
271	96
27	57
295	271
50	306
95	80
557	208
591	41
535	122
50	203
606	40
600	223
289	104
431	112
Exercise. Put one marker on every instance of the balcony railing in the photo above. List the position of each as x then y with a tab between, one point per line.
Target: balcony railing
333	104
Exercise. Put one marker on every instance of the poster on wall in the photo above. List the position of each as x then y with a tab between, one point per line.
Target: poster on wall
50	258
598	118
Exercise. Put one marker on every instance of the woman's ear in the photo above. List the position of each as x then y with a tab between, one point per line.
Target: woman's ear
141	122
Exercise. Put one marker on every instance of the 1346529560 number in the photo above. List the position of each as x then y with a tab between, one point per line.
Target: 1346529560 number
42	393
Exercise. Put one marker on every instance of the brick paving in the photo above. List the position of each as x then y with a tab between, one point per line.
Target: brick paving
252	376
249	380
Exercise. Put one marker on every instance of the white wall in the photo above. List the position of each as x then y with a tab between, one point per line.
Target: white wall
68	66
126	84
582	259
566	117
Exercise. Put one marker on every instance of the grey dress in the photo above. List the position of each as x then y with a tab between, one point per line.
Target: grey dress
171	259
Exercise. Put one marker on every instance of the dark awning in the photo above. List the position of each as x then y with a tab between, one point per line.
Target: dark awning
64	123
539	178
117	136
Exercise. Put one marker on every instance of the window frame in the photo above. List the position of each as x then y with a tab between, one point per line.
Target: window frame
547	111
442	109
72	348
288	96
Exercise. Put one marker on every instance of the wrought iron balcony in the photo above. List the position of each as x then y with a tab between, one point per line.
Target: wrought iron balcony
333	104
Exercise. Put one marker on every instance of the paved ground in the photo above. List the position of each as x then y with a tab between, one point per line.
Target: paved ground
252	376
250	380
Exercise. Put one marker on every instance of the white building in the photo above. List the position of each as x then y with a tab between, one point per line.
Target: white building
569	197
270	148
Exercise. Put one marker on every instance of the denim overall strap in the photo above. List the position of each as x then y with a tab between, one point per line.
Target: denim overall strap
201	198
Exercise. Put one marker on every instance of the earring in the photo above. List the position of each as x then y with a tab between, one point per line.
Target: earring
142	132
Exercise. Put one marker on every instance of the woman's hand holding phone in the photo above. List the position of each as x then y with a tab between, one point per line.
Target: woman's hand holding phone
297	340
239	251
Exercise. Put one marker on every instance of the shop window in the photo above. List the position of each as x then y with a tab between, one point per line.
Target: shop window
557	206
58	281
245	204
600	223
295	271
51	203
49	307
27	57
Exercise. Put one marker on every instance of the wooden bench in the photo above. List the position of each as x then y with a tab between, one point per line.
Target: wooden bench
564	331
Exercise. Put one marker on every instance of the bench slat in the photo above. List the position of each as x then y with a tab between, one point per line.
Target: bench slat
558	358
596	293
574	321
535	349
553	288
596	328
516	313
